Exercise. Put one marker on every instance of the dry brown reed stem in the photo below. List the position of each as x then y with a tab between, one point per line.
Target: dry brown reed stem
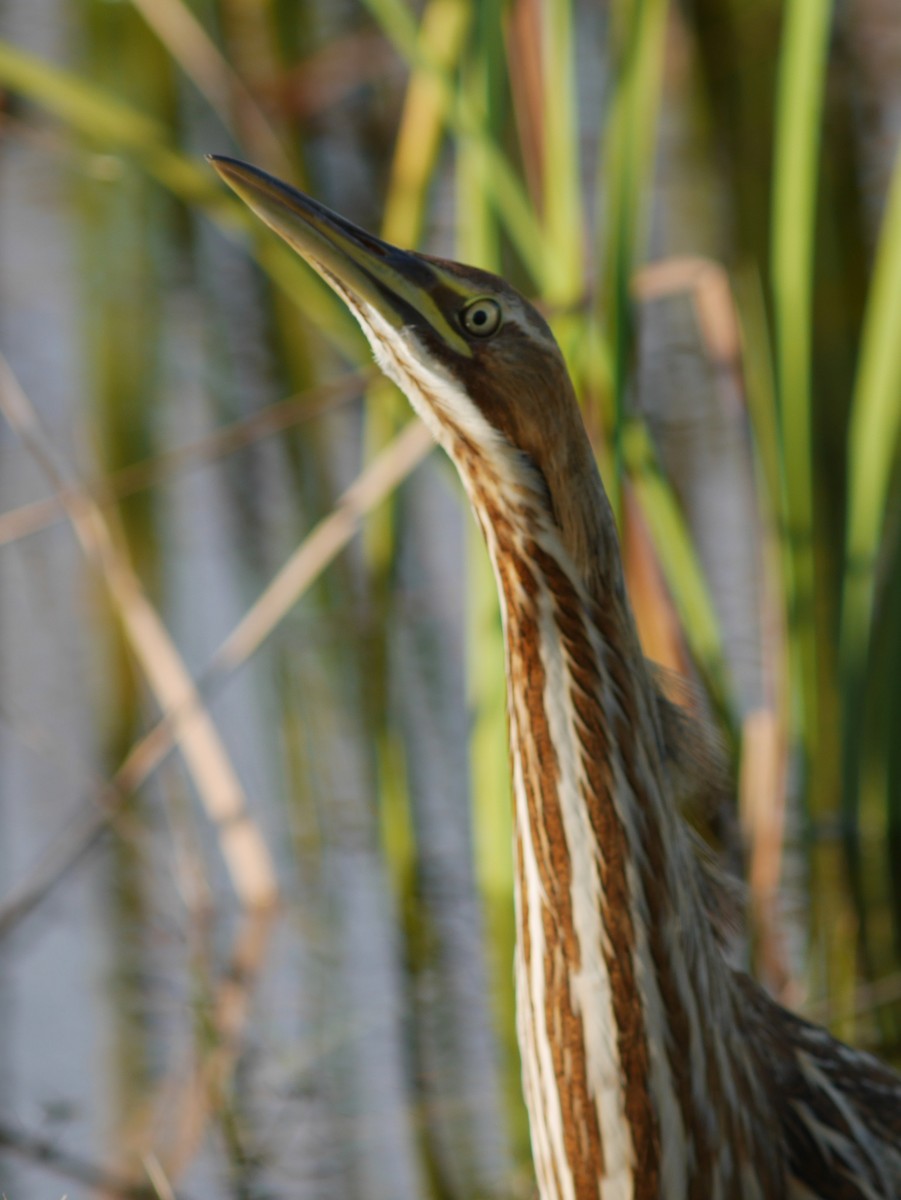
321	545
304	406
387	470
655	614
761	786
707	283
247	858
523	33
762	791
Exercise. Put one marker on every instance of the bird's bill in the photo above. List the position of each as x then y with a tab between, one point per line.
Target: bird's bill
358	266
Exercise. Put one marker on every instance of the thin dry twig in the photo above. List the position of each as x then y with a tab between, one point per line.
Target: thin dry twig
47	1153
202	1094
160	1182
245	853
39	514
319	548
165	1136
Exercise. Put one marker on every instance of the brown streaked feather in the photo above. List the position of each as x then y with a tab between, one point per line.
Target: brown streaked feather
840	1109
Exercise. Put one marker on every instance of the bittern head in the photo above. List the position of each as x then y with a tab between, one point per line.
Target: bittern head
477	361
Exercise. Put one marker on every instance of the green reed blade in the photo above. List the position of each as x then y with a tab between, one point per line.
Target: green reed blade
802	71
507	193
639	28
873	443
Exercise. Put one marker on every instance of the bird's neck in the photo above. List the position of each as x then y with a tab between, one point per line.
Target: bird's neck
622	996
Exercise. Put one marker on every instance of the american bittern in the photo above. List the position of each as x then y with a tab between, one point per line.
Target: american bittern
651	1068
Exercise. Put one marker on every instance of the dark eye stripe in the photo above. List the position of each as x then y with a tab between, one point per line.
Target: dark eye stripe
408	314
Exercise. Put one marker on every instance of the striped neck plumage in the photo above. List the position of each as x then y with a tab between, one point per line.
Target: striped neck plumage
623	1001
651	1071
618	1013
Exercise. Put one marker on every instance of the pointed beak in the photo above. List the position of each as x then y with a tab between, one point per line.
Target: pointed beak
372	276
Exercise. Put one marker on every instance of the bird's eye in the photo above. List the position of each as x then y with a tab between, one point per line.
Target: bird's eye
482	317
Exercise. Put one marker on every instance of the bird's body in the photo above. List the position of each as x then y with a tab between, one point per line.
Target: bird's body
651	1069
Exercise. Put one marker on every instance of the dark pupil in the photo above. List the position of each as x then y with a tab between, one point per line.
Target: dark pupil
480	316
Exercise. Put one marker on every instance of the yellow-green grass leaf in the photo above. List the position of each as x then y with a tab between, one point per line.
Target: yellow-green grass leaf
874	430
117	128
875	426
507	193
627	164
443	32
802	72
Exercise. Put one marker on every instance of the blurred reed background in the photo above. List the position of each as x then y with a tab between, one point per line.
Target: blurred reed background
248	634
